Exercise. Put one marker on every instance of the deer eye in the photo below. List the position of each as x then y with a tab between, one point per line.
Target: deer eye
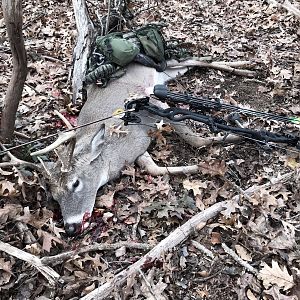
75	184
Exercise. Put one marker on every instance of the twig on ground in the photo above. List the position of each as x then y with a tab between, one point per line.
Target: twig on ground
59	258
53	59
239	260
135	226
203	249
176	237
22	135
47	272
31	87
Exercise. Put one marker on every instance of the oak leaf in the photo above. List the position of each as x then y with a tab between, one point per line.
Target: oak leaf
276	275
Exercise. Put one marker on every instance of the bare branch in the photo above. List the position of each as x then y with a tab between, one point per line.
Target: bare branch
47	272
240	261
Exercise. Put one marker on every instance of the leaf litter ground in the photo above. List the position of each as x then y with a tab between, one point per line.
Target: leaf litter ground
262	229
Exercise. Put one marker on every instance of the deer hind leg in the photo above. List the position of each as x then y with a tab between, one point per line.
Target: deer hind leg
195	140
145	161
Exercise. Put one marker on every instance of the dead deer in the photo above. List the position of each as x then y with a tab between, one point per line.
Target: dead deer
97	156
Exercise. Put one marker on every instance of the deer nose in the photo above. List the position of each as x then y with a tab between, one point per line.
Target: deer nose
72	229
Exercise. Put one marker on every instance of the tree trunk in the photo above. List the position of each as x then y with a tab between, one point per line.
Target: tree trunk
12	10
85	35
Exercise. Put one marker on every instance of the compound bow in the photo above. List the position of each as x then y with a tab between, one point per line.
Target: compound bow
199	108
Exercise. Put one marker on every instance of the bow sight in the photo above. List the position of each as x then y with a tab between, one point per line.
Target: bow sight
202	109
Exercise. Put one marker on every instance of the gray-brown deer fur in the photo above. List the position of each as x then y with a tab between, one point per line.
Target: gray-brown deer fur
98	156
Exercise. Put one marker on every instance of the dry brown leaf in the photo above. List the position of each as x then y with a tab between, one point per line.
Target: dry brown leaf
277	295
81	274
292	163
4	277
34	249
196	186
276	276
5	265
120	252
36	219
156	288
9	211
106	200
215	238
243	253
47	240
7	188
214	167
88	289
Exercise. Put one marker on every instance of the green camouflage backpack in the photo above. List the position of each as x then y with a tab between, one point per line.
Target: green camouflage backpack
116	49
152	41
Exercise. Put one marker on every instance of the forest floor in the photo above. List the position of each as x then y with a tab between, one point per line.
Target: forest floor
262	229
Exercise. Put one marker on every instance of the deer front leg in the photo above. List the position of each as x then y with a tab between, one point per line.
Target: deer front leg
145	161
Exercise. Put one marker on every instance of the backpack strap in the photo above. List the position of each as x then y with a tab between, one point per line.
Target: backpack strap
149	62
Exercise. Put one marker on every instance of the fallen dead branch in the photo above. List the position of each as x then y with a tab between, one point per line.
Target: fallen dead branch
59	258
176	237
253	189
286	5
222	66
47	272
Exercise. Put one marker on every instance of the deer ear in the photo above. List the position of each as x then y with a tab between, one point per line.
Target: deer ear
97	141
